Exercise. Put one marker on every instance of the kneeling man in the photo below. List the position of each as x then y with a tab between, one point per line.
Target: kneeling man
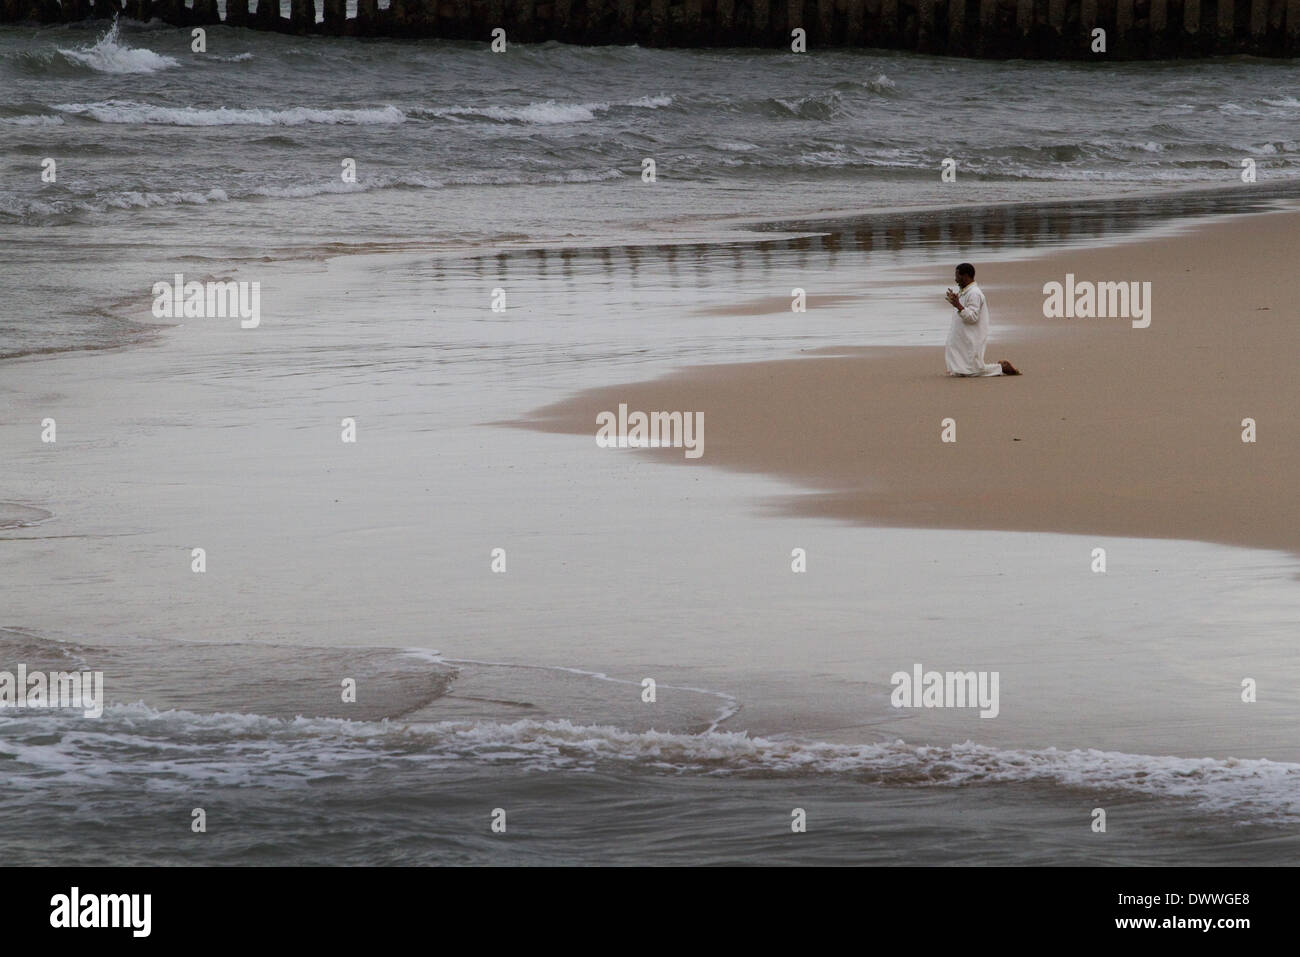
970	330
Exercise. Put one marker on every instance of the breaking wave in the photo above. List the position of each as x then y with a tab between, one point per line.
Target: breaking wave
545	113
127	111
184	746
107	55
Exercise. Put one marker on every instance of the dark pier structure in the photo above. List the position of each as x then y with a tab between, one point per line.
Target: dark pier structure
1030	29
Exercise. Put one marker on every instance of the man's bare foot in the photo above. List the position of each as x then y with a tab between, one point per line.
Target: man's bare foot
1008	368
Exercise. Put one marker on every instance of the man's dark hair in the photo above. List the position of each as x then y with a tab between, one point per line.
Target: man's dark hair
966	269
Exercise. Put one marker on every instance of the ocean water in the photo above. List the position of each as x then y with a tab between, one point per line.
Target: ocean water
523	691
294	788
168	156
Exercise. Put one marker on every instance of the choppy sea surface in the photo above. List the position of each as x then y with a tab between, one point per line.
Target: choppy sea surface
163	154
302	787
529	165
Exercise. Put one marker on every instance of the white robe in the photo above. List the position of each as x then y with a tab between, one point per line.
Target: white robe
969	334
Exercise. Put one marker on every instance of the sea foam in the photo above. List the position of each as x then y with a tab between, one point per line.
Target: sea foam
107	55
545	113
128	111
293	751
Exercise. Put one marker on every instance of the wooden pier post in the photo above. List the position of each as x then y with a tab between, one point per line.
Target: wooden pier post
692	31
265	17
989	42
889	25
957	27
762	11
926	36
302	16
1224	40
1158	25
336	13
826	36
856	17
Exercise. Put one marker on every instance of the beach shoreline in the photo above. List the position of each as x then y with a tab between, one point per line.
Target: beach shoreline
126	321
1113	430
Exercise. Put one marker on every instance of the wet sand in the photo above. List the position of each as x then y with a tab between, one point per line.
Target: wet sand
1112	430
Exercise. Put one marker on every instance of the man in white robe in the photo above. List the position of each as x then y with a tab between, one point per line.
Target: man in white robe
970	330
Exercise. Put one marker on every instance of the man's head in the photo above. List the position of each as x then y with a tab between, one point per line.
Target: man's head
965	274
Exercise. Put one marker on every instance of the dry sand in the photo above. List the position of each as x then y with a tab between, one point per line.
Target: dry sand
1111	431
